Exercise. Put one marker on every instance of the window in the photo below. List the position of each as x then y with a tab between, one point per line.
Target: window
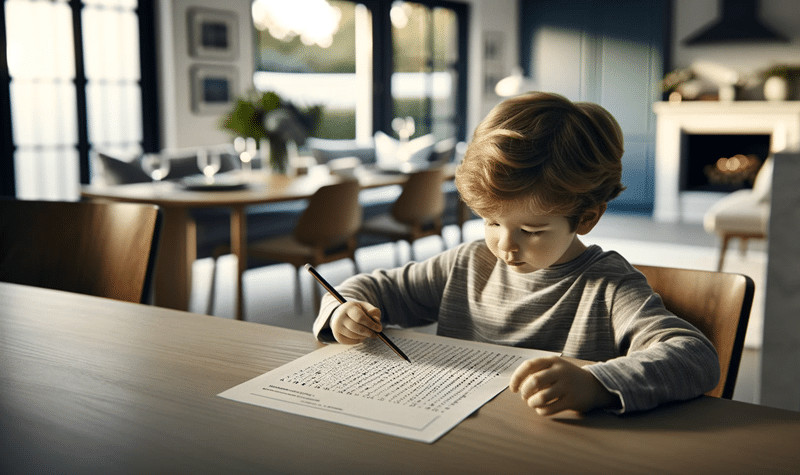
326	61
75	85
383	60
426	59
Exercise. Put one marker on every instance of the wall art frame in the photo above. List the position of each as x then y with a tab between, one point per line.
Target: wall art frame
213	88
213	34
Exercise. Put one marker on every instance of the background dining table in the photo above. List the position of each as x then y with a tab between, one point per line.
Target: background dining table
178	246
94	385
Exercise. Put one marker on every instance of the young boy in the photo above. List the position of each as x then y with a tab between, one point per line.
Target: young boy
540	171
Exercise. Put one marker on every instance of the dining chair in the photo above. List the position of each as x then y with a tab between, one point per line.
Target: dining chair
326	231
417	213
717	303
103	249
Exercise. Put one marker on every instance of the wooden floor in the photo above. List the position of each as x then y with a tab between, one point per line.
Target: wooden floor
269	291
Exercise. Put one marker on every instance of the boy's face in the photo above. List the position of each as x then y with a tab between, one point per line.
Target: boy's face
528	241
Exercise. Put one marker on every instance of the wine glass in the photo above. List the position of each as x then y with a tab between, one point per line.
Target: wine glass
244	154
209	162
156	165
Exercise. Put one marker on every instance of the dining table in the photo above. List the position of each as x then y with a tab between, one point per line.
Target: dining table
95	385
177	249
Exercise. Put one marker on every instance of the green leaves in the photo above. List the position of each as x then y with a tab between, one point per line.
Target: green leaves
267	116
245	120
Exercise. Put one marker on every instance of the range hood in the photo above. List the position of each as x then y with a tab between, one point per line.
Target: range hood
739	22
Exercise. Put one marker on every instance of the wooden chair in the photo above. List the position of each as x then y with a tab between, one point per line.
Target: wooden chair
325	232
417	213
717	303
101	249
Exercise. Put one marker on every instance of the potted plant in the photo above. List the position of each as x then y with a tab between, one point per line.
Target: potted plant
266	116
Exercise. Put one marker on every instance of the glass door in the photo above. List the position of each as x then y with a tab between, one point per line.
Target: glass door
425	77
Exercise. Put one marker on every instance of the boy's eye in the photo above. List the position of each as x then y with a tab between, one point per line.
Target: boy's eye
531	233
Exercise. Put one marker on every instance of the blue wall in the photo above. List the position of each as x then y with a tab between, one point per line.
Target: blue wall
611	52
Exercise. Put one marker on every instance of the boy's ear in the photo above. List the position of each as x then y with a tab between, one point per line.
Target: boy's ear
589	218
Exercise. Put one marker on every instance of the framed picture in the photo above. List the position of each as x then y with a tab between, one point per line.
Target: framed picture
494	68
213	88
213	34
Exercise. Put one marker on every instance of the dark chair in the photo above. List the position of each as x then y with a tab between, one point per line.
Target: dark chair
325	232
417	213
717	303
94	248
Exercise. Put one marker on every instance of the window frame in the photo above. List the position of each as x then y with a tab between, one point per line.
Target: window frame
383	65
148	86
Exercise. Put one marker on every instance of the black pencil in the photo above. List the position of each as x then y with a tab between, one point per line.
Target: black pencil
341	299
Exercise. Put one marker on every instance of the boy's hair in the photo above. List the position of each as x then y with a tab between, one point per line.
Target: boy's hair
561	157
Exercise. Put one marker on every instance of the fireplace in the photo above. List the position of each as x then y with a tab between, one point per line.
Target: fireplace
750	128
721	162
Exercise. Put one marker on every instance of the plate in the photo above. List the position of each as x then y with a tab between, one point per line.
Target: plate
219	183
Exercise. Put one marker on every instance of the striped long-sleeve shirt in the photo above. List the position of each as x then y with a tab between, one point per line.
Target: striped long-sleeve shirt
597	307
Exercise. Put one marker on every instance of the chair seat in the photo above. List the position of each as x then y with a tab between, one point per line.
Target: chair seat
738	213
386	225
288	249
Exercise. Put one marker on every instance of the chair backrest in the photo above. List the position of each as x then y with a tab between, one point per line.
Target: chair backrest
717	303
101	249
332	217
422	198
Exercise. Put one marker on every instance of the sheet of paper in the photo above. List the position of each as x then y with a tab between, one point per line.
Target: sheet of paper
368	386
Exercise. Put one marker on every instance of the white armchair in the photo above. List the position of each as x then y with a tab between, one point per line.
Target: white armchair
743	214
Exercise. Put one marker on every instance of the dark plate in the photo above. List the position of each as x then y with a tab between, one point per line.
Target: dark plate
220	183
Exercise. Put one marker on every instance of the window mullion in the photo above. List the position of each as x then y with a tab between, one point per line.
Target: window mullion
80	91
7	173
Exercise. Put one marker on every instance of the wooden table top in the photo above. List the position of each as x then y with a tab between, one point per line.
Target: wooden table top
96	385
261	188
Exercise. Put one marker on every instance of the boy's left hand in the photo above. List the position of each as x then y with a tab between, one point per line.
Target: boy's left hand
552	384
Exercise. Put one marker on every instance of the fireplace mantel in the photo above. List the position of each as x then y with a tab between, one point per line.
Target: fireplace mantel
780	120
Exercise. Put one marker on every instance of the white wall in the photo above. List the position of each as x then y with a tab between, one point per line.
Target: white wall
495	16
180	126
692	15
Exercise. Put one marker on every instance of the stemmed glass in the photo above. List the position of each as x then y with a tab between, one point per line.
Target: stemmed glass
245	153
156	165
209	162
404	127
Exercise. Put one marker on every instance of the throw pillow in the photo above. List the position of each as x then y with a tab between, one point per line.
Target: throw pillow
762	185
325	150
392	154
120	172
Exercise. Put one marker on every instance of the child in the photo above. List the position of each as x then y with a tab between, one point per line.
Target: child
540	171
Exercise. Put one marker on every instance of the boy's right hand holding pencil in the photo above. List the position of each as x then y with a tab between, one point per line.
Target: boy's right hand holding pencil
354	321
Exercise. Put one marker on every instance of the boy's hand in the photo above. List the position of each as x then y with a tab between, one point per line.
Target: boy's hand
552	384
354	321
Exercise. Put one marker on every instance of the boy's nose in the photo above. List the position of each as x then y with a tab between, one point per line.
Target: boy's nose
506	243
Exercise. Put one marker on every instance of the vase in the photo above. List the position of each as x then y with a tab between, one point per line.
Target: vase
776	89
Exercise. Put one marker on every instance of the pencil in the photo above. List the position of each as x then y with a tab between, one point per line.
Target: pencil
341	299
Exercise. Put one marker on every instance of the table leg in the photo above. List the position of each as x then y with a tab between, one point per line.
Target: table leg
239	249
177	251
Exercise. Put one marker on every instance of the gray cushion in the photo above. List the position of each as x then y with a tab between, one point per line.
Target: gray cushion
325	150
120	172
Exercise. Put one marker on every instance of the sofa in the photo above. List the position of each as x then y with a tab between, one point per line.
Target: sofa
266	220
